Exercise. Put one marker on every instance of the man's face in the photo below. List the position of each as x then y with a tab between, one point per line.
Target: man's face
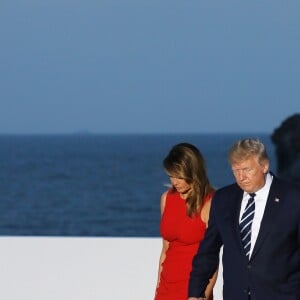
250	174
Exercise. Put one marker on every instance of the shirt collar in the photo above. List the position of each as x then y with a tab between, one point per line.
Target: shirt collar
264	191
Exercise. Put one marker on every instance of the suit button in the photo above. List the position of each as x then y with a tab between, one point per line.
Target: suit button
245	291
249	266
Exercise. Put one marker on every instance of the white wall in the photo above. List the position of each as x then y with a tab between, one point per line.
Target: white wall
62	268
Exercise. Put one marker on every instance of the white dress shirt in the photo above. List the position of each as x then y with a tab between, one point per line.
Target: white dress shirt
261	197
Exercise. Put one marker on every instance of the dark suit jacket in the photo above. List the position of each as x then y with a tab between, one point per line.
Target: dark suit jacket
273	272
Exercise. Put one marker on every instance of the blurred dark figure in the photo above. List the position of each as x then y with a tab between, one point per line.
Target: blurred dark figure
286	139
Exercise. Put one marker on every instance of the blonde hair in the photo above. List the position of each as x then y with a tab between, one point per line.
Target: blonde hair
185	161
243	149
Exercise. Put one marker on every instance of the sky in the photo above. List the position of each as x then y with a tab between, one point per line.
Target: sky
137	66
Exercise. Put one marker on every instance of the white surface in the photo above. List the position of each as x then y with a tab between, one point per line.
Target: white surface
45	268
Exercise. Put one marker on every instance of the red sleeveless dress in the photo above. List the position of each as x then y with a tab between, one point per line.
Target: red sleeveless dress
184	235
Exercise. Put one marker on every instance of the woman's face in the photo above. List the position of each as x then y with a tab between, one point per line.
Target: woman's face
180	184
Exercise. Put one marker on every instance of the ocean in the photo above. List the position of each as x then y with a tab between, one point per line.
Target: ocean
96	185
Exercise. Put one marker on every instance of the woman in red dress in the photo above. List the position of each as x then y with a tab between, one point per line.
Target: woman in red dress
185	210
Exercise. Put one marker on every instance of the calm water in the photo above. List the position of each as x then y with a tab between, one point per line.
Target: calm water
95	185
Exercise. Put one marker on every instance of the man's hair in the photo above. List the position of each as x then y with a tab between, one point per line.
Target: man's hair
245	148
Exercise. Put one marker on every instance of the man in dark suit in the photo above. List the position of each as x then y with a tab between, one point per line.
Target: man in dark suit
257	221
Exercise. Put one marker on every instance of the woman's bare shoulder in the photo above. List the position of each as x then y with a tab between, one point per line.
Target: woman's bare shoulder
163	200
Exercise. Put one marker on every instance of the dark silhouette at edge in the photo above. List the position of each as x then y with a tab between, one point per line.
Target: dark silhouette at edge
286	139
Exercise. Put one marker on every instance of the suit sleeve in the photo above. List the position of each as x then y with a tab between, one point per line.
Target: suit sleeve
206	261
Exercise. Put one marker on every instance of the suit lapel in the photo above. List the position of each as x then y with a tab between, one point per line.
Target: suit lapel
271	210
236	216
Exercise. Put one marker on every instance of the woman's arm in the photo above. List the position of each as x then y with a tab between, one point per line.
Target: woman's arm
210	286
165	246
165	243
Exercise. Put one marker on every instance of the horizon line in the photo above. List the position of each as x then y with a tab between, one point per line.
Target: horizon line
90	133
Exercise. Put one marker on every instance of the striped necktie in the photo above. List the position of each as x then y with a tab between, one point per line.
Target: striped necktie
246	224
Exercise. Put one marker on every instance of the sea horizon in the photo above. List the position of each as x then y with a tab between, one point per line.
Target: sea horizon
97	184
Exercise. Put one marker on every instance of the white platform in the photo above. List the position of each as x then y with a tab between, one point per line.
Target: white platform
62	268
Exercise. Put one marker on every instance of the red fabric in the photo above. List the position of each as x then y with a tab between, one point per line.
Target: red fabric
184	235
